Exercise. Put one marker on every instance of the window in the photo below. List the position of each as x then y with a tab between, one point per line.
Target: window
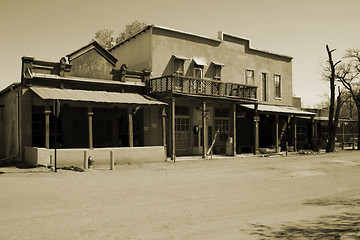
264	86
217	72
179	67
198	72
277	84
250	77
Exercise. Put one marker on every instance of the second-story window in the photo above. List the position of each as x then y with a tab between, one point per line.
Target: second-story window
264	86
250	77
198	72
199	67
179	66
217	70
277	85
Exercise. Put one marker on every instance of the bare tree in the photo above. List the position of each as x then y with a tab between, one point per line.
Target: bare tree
332	76
349	73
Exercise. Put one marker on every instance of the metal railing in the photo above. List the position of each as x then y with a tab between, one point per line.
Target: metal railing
189	85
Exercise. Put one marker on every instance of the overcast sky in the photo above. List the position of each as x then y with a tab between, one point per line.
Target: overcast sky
48	30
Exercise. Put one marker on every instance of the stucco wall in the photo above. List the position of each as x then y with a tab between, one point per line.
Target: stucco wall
92	65
152	126
135	53
9	126
101	156
233	54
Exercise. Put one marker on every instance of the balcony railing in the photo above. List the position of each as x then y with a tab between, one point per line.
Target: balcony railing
189	85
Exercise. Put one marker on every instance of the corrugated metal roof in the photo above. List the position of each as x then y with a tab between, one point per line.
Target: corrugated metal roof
278	109
94	96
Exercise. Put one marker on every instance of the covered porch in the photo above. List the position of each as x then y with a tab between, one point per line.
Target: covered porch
132	125
274	127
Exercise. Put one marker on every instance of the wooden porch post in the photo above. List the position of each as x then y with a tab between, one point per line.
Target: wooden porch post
256	129
173	153
277	132
90	115
294	133
312	137
204	129
47	127
163	114
131	129
234	129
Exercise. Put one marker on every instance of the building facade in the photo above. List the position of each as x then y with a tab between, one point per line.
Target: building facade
80	107
160	93
218	85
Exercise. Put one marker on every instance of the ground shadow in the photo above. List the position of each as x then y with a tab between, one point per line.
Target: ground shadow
345	225
13	163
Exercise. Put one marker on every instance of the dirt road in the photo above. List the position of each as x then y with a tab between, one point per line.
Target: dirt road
296	197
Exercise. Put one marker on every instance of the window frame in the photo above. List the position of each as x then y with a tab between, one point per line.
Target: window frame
248	70
179	63
217	72
201	69
264	92
277	86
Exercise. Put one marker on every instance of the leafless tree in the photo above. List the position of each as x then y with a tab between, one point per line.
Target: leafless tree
332	77
349	77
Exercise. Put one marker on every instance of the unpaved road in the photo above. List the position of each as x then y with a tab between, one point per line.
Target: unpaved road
296	197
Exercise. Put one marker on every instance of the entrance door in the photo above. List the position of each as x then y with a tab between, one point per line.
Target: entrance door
182	130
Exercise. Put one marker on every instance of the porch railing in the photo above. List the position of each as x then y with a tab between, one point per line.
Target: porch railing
189	85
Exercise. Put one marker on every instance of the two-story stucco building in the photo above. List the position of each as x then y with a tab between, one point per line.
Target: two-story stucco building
218	84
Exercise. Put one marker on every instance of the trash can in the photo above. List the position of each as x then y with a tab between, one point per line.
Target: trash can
229	146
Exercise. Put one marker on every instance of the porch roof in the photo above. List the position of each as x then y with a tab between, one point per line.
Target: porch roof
278	109
94	96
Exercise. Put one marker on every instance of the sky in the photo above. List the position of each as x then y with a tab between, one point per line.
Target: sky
48	29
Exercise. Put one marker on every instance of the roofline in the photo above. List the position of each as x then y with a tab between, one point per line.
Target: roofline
8	88
222	34
132	36
219	40
105	52
92	80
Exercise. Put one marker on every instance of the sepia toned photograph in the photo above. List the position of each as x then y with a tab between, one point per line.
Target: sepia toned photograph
180	120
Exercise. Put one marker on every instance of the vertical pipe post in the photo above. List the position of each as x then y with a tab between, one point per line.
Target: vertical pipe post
86	163
204	129
131	128
173	153
112	162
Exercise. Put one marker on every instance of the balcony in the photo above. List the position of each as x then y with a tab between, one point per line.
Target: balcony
204	87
